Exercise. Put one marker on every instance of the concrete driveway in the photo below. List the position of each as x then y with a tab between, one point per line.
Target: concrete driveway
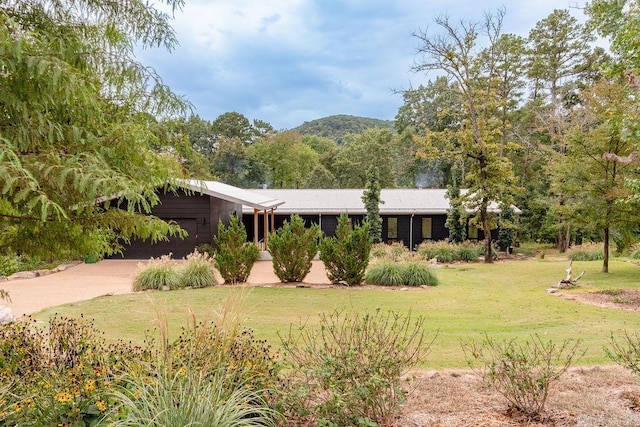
77	283
107	277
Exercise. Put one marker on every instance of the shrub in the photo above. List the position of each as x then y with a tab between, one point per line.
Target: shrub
8	265
635	253
625	352
346	255
188	398
63	374
522	373
588	252
197	271
293	247
205	347
205	248
347	371
400	274
234	256
157	274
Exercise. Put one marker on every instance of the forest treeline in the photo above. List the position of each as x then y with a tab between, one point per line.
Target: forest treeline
548	122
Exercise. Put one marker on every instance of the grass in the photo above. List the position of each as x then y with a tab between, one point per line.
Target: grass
506	299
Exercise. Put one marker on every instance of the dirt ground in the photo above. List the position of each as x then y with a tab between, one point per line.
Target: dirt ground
607	396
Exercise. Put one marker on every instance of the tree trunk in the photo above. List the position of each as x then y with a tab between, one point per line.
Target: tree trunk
488	253
605	262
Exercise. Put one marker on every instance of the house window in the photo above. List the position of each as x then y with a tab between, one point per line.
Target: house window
426	229
473	232
392	228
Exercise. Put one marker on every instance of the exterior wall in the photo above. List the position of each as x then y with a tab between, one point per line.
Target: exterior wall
198	214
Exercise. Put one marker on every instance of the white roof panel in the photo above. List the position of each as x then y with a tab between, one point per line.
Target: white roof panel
337	201
230	193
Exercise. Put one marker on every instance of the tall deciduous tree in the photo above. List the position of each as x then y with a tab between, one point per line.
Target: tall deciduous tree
359	152
560	55
478	138
600	157
286	158
76	124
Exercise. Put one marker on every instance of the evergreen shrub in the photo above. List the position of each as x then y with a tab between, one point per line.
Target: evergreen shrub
234	256
346	255
292	248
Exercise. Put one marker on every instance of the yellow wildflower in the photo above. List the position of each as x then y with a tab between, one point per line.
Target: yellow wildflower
101	406
90	385
63	397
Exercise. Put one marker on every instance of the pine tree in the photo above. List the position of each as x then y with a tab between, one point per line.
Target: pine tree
371	199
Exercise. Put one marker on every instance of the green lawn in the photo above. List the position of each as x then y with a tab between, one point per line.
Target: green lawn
506	299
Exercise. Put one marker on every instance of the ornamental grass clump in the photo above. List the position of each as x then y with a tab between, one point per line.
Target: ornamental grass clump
188	397
348	371
523	373
587	252
450	252
400	274
157	274
293	247
197	271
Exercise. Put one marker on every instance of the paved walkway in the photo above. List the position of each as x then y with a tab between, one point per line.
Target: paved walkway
107	277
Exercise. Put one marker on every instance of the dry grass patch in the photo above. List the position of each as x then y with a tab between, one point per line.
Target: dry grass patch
583	397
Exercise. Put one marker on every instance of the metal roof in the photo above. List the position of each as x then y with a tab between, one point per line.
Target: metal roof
337	201
251	199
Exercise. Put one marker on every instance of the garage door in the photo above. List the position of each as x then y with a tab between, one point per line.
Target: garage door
139	249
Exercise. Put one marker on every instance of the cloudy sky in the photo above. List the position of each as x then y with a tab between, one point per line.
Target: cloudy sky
291	61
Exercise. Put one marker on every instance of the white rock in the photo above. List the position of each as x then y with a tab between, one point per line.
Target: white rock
5	315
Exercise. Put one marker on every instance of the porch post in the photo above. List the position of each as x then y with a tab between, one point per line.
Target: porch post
266	229
255	226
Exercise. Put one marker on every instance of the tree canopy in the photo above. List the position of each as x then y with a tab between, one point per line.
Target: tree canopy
77	124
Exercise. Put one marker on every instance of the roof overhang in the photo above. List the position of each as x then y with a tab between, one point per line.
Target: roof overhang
231	194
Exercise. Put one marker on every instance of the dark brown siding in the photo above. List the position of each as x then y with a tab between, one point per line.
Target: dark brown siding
197	214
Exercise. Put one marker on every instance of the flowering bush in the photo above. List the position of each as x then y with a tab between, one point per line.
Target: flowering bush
63	375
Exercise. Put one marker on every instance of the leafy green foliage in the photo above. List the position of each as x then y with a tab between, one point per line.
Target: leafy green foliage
293	247
158	274
336	127
400	274
77	125
348	371
346	255
507	225
522	373
234	256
